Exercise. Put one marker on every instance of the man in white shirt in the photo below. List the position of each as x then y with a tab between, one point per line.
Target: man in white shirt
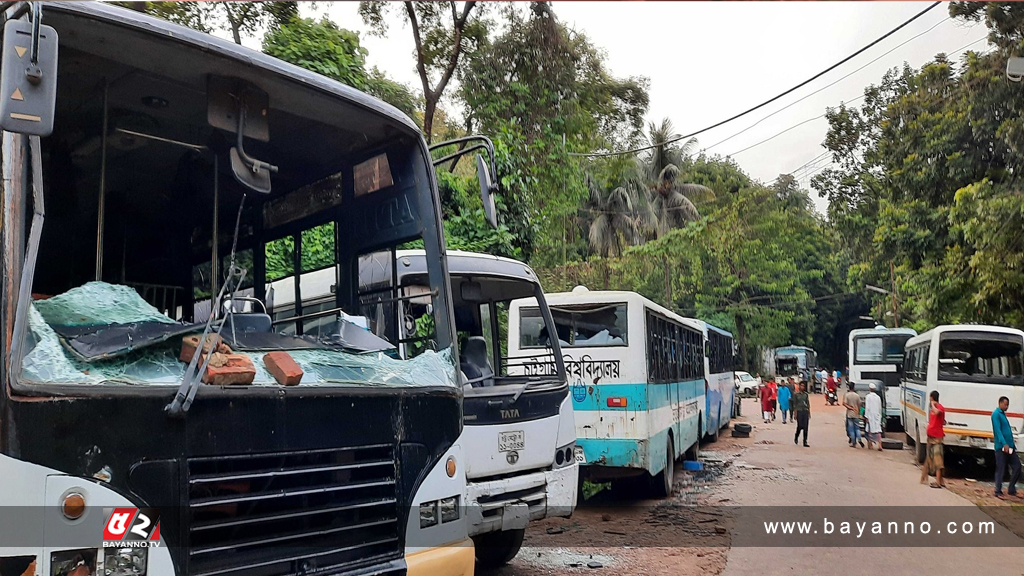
873	417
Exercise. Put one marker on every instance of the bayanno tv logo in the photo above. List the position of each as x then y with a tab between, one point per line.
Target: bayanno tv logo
132	528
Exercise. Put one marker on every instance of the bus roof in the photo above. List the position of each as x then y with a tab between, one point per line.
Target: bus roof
466	263
938	330
582	295
252	64
881	330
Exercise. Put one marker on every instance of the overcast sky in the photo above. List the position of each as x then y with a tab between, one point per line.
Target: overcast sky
707	61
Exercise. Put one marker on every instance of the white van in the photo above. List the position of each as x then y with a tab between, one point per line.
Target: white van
971	366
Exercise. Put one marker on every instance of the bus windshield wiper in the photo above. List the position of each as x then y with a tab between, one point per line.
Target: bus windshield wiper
191	379
526	387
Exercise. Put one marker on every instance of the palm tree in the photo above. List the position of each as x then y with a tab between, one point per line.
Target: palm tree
670	204
613	219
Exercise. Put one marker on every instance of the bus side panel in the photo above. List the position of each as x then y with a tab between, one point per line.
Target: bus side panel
614	436
915	409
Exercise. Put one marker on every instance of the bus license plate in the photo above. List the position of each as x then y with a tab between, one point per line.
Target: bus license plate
513	440
578	452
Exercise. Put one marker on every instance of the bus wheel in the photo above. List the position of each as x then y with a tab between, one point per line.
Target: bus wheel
713	436
495	549
922	450
663	481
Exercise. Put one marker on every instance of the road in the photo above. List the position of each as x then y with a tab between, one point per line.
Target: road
830	473
628	536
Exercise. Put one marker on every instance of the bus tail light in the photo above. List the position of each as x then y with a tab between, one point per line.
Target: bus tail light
617	402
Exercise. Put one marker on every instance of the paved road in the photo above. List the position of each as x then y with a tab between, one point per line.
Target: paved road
830	473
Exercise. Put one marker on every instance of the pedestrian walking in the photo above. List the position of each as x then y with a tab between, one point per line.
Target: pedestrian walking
774	399
852	404
785	393
873	417
802	409
933	461
1006	449
765	393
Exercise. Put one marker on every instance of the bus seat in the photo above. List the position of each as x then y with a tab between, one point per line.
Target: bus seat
250	322
473	361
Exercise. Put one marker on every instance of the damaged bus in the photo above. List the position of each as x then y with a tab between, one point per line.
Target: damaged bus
520	437
140	435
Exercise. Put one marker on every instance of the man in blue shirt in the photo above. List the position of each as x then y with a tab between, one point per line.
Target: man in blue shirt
1006	449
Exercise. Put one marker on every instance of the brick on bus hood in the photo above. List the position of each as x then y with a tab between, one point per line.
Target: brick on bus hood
229	369
191	342
283	367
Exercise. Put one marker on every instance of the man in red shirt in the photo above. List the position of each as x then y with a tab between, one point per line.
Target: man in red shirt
933	461
774	389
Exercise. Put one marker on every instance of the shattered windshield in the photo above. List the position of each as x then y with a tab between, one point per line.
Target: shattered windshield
108	315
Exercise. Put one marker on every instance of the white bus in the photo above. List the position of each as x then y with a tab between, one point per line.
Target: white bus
520	438
721	389
877	354
971	366
638	379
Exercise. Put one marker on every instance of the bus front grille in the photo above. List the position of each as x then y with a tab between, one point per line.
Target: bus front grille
311	511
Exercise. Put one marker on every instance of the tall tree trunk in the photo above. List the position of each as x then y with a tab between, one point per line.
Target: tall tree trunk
428	118
741	334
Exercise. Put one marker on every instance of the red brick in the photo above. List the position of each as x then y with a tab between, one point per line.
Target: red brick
283	368
233	369
190	343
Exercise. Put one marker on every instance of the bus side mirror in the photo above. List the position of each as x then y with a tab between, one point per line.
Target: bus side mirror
28	76
486	191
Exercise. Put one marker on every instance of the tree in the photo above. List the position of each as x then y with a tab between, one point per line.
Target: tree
614	223
236	17
443	33
321	47
545	92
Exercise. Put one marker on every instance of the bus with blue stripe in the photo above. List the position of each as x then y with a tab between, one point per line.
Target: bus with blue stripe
638	380
720	352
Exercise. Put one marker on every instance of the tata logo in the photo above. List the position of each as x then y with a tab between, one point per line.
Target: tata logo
579	392
512	457
510	413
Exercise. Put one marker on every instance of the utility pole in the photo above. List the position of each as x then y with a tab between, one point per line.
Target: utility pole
895	309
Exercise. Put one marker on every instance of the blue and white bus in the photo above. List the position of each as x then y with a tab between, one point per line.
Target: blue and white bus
639	381
718	365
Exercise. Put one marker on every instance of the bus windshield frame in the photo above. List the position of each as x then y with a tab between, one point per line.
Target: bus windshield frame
319	135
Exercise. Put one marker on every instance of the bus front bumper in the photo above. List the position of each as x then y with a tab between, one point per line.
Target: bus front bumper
455	559
510	503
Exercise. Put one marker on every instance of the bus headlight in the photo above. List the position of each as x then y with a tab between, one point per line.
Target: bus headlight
565	456
450	509
428	514
125	562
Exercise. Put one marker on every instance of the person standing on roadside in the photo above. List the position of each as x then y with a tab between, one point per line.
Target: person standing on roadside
765	393
773	389
785	393
873	417
933	461
1006	449
802	413
852	404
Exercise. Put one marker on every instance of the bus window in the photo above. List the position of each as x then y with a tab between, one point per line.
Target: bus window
880	349
980	358
578	326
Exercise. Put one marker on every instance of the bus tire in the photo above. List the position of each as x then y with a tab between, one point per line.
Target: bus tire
664	480
496	549
713	436
921	452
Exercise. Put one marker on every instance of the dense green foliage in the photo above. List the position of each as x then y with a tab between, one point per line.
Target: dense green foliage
927	183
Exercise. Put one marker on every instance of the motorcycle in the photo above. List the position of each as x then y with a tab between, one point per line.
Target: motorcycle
831	397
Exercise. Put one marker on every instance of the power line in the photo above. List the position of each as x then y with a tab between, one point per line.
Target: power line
827	86
770	100
783	131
